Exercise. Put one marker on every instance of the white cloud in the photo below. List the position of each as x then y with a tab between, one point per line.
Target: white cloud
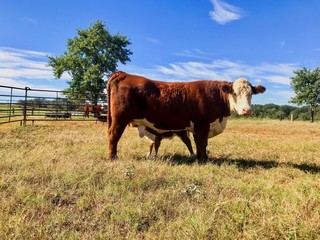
153	40
23	52
16	60
286	94
229	70
21	68
196	53
275	95
32	20
224	12
13	83
23	72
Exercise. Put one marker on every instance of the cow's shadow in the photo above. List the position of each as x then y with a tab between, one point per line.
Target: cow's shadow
240	163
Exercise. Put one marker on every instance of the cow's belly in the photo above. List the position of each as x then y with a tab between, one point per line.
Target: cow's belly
151	137
216	127
144	133
146	123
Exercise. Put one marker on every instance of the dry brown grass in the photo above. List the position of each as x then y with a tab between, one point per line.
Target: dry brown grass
261	182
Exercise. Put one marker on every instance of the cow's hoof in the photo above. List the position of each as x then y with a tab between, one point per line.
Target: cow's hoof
113	158
150	156
201	161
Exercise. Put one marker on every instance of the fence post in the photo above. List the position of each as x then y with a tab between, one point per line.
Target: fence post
10	105
25	106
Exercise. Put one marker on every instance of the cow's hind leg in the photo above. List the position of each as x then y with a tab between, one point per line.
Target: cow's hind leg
115	133
157	142
186	140
150	149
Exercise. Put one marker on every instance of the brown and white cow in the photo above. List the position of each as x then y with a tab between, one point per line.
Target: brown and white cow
201	107
94	109
156	138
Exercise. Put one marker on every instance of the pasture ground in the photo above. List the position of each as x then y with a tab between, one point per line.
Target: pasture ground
262	182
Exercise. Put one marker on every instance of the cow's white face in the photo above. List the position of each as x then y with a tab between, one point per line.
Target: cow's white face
241	94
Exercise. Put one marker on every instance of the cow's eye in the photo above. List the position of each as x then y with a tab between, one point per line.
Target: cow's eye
234	94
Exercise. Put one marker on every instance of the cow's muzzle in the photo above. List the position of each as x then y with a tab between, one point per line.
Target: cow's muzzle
246	112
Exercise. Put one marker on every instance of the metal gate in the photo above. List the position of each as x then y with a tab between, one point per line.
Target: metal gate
26	104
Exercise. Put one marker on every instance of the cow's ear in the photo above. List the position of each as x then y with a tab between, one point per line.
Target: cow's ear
258	89
227	88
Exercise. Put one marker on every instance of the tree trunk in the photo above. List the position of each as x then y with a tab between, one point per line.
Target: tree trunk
312	114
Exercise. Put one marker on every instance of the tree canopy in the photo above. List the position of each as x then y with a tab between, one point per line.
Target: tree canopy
91	57
306	84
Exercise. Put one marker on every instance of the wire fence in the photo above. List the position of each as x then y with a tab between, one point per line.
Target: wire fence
29	105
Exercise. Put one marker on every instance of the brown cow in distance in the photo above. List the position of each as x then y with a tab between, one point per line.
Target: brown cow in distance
94	109
201	107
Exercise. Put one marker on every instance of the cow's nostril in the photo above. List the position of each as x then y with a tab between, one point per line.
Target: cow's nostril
246	111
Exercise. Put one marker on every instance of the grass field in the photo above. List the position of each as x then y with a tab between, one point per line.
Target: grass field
262	182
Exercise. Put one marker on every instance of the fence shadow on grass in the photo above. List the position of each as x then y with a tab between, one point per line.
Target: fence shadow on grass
242	164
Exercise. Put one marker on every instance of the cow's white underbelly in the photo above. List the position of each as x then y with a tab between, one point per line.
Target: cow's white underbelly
216	127
146	123
144	133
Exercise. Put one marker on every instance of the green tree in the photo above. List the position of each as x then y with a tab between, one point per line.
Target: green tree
306	84
91	56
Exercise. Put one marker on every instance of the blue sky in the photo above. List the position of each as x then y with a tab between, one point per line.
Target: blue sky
172	40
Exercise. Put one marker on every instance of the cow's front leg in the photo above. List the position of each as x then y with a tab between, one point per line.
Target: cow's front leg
201	140
201	145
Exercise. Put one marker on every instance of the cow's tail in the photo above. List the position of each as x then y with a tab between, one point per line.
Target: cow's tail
108	97
117	76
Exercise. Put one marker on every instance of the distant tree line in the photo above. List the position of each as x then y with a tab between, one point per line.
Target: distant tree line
281	112
58	104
